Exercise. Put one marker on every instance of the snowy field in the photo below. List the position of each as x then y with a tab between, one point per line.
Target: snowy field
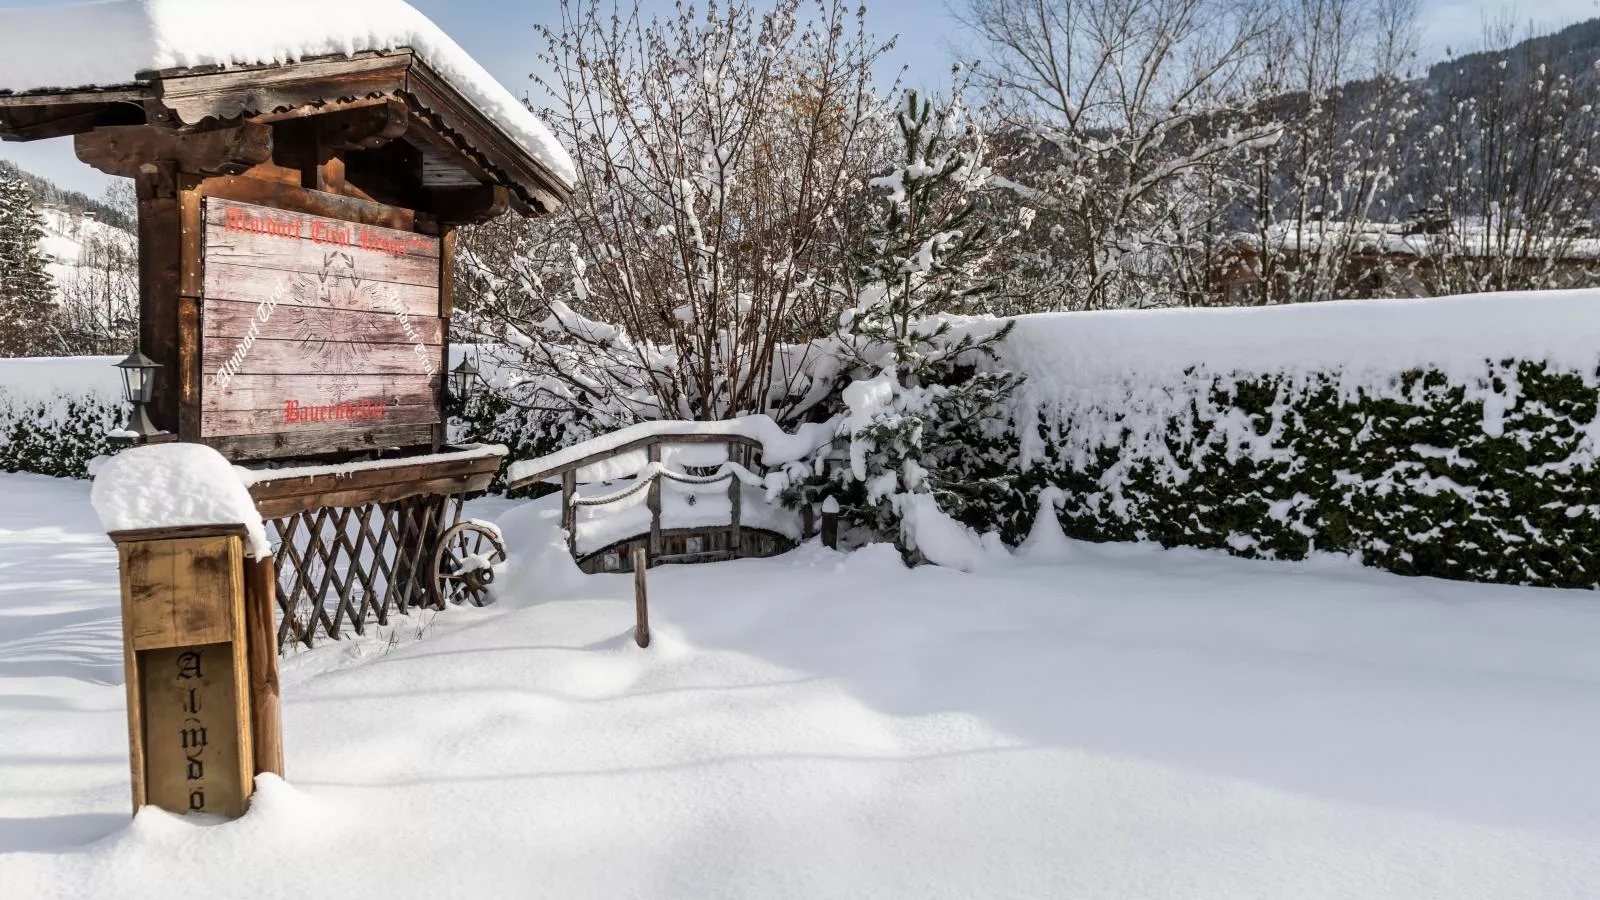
1127	723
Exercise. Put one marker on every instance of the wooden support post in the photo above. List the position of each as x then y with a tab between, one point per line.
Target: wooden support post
569	513
185	658
735	499
266	722
160	264
641	630
830	524
654	502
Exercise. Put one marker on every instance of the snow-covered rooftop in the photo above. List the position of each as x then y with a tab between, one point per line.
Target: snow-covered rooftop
108	44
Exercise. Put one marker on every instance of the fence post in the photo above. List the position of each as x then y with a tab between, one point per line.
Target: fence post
641	629
736	499
654	502
569	513
830	523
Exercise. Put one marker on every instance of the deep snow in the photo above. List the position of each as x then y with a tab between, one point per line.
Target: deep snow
1124	722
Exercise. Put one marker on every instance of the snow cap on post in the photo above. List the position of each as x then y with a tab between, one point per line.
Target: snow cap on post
175	486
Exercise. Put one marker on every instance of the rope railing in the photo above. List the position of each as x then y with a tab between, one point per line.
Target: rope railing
655	470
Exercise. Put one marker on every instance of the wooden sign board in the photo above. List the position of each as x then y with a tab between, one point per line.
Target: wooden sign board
317	335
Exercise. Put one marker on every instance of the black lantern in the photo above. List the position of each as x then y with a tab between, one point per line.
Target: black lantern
138	382
461	379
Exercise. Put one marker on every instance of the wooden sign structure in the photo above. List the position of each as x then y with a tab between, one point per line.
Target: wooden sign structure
296	255
318	334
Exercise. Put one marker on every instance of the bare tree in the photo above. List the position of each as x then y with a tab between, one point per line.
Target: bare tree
718	152
1133	104
1516	174
1322	201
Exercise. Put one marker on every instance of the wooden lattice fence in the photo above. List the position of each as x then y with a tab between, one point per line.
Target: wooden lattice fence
353	548
342	567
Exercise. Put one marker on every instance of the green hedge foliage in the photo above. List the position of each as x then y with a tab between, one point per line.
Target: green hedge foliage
56	438
1416	478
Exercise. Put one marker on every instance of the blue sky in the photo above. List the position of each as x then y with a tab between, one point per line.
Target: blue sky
500	35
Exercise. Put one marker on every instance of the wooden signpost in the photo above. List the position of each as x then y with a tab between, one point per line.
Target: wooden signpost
296	248
187	669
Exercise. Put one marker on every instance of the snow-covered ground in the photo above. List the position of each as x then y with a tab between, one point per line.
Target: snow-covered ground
1126	723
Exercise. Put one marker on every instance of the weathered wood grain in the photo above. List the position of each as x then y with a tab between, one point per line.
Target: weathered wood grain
326	358
237	319
225	423
165	578
279	188
285	445
270	391
322	230
319	259
254	285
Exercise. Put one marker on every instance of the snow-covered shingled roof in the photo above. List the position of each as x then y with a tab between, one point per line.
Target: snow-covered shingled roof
106	44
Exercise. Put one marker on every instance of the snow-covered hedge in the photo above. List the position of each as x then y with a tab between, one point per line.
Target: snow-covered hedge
55	412
1453	437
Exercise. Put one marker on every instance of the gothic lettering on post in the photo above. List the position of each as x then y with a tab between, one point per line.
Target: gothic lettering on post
189	665
191	748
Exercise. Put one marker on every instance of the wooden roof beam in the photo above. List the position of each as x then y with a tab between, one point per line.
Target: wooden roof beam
121	150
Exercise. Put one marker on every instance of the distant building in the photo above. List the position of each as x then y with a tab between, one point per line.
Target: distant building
1408	259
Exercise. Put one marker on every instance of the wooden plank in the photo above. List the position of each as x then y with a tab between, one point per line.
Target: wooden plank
312	443
171	584
390	493
282	91
270	391
277	194
189	378
328	358
312	419
237	319
70	98
654	502
266	721
255	285
121	150
321	257
134	689
134	535
281	226
372	478
629	447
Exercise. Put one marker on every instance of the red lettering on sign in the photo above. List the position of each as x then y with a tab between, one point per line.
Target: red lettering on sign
236	219
295	412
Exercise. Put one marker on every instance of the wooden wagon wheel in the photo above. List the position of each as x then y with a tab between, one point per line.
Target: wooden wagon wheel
464	564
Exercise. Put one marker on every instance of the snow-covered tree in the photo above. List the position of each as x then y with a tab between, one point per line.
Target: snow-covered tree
1323	204
1117	108
25	285
919	405
1513	181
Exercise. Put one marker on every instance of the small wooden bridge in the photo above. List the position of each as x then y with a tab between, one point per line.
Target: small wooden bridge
684	492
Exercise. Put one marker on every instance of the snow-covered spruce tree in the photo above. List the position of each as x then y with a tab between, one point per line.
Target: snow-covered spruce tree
25	286
922	421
